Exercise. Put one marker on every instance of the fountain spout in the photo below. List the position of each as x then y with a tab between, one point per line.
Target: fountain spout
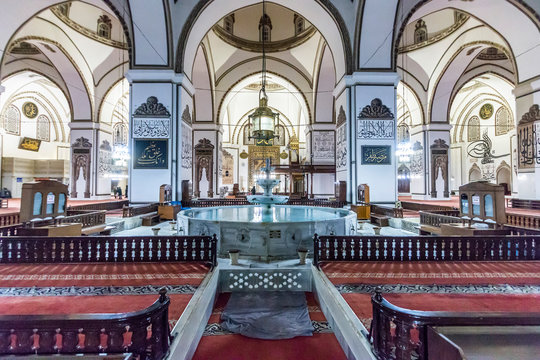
267	183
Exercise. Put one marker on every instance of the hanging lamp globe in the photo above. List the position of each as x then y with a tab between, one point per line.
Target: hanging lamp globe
263	122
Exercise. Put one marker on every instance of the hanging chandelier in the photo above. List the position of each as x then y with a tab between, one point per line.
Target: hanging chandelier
263	121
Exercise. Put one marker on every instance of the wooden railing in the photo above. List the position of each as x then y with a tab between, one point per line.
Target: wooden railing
243	201
10	230
144	333
108	205
401	334
87	218
82	249
523	220
386	210
9	219
441	217
424	248
516	230
409	205
136	210
524	204
4	203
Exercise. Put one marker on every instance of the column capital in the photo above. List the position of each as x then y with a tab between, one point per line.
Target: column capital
381	78
527	87
160	76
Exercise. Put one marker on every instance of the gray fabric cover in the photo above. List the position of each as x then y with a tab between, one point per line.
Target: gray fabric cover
267	315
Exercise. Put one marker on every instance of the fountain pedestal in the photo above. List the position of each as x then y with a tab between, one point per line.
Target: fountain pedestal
266	200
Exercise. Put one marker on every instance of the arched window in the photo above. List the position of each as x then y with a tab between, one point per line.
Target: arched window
265	28
420	32
488	205
228	23
64	9
298	24
12	120
403	134
473	129
50	203
464	204
503	122
43	128
38	198
104	27
475	204
61	202
120	134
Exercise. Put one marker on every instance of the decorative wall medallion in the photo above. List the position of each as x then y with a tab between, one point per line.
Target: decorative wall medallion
152	107
283	155
151	128
30	110
150	154
29	144
244	155
486	111
323	145
375	121
376	155
187	147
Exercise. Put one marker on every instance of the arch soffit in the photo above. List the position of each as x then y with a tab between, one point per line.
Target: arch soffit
208	12
450	72
104	101
18	18
496	16
417	102
242	82
59	85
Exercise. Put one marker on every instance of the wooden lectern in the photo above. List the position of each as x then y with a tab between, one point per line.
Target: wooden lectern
362	209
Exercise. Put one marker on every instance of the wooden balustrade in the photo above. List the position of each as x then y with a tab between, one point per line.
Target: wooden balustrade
524	204
108	205
87	218
409	205
10	230
243	202
424	248
82	249
516	230
523	220
401	334
386	210
130	211
4	203
9	219
443	217
144	333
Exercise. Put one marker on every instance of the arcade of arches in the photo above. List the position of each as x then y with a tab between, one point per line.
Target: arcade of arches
347	78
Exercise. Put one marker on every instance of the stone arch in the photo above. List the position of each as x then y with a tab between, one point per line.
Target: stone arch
208	12
475	174
504	175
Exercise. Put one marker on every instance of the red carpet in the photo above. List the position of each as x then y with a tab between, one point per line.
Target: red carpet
361	303
454	273
124	283
323	346
102	274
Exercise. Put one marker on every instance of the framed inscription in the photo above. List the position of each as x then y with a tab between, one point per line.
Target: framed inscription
375	129
156	128
150	154
376	155
29	144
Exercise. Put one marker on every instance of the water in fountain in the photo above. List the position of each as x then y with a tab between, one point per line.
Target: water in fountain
267	199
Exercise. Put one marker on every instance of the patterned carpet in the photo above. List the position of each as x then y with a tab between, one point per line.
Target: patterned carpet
218	343
96	288
442	286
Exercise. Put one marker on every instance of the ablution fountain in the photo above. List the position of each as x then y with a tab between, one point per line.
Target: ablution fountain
266	231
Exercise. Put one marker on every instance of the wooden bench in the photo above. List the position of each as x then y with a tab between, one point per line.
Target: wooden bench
150	219
381	220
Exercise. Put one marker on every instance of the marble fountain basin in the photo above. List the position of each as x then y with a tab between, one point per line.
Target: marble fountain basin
266	234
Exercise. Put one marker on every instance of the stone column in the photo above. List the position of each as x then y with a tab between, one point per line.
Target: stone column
372	134
157	103
526	150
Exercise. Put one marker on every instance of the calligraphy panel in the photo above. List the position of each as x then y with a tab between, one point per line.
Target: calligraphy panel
150	154
155	128
187	147
323	145
375	129
376	155
29	144
341	147
528	145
